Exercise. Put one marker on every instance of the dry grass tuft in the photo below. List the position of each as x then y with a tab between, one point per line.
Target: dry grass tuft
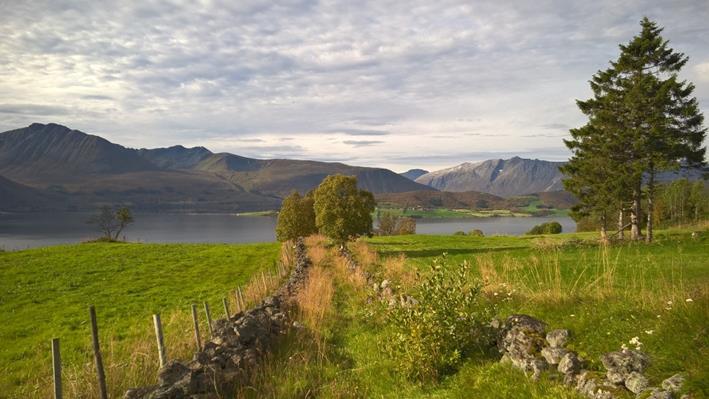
315	299
354	277
365	255
395	269
316	240
318	255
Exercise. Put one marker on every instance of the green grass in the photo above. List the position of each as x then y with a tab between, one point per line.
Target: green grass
533	208
45	293
604	297
444	213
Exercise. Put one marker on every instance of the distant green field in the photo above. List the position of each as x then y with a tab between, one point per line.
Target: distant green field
440	213
45	293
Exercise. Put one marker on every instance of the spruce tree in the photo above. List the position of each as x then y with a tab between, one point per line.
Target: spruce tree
642	119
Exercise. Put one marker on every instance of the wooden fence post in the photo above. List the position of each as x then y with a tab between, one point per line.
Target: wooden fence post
226	308
161	343
242	299
103	393
236	301
57	368
195	320
209	319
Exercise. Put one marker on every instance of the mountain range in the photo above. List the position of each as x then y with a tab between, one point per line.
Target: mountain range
502	177
49	166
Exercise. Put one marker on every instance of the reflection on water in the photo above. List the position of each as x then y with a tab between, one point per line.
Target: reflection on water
19	231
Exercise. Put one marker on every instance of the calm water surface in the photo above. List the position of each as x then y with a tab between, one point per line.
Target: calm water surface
20	231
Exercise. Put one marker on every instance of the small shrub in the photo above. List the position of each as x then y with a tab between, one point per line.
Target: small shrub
391	225
476	233
459	233
448	321
546	228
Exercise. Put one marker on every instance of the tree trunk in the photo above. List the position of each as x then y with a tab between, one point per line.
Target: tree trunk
650	204
621	224
635	215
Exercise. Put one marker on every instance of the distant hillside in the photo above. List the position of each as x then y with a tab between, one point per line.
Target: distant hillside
413	174
18	197
176	157
506	178
90	170
40	154
444	199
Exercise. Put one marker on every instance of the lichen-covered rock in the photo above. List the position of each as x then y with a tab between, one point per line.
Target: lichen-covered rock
522	340
636	382
674	384
569	364
553	355
659	394
558	338
591	386
620	364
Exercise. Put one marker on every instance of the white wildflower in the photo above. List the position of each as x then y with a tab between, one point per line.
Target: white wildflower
649	332
688	300
669	302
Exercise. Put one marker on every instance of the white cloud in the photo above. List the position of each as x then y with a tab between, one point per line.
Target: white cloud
431	83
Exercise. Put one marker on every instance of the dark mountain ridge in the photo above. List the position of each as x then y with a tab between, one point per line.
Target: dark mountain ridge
90	170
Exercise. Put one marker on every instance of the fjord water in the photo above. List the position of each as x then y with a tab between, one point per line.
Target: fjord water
29	230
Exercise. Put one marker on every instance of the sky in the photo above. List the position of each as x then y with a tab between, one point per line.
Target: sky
396	84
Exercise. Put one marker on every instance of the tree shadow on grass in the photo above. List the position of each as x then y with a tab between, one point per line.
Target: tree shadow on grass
431	253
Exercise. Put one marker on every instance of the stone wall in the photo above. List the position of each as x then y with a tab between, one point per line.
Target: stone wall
237	346
525	343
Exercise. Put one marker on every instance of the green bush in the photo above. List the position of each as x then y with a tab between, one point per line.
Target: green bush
459	233
445	324
476	233
546	228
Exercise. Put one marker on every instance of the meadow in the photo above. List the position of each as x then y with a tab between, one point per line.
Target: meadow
605	295
45	293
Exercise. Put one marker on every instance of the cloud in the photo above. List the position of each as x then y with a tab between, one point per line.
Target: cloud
33	109
490	75
362	143
360	132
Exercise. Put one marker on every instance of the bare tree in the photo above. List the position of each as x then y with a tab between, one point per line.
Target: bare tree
111	222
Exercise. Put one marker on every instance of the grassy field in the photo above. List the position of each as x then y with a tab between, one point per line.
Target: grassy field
45	293
441	213
605	296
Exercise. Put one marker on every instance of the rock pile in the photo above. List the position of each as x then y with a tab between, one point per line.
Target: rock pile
237	345
524	342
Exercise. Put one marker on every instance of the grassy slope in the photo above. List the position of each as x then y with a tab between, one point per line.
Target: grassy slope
604	298
45	293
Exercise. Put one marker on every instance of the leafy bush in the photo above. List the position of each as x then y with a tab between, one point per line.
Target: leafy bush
546	228
459	233
476	233
447	321
391	225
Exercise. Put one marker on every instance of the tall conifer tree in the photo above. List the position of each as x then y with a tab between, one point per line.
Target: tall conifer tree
642	118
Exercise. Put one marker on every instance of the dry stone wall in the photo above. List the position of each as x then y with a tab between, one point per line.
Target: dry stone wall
525	343
236	347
